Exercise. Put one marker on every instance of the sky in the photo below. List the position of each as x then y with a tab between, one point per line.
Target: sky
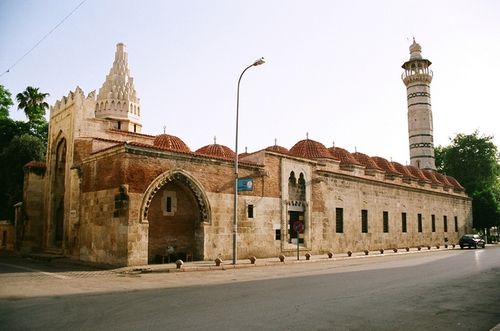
332	72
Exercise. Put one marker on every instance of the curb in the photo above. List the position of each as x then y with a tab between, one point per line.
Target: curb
267	262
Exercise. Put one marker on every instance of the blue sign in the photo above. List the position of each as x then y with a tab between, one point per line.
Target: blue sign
245	184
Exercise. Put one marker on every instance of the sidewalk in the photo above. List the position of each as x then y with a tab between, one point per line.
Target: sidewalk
272	261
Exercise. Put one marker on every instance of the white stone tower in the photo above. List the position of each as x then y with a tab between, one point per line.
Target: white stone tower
417	78
117	100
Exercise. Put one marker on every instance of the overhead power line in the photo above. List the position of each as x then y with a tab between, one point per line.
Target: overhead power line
43	38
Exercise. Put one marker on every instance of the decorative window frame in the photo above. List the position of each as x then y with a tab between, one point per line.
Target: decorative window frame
176	175
173	203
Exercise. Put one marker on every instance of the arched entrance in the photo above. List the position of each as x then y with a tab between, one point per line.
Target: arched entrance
176	211
59	174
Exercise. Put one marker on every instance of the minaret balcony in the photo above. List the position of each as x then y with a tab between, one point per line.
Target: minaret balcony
409	77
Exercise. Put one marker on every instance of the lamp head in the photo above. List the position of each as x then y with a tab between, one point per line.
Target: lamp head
258	62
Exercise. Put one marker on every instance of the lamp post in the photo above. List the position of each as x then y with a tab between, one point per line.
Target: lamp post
235	216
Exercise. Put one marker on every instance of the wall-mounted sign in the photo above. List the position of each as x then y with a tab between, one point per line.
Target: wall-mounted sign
245	184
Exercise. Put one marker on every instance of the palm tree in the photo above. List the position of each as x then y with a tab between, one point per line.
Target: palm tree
32	102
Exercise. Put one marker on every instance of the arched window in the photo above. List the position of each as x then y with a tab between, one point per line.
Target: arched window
301	188
292	186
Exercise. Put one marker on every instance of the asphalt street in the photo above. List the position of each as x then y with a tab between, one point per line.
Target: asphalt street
448	290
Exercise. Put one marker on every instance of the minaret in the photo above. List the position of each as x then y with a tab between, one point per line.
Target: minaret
417	78
117	100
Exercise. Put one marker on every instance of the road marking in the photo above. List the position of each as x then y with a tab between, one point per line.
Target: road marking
51	274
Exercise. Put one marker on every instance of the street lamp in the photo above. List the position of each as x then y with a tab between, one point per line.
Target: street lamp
235	218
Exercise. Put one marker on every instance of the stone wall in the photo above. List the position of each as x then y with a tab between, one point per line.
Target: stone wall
125	239
33	188
103	229
354	195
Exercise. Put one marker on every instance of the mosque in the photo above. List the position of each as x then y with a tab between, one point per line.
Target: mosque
109	194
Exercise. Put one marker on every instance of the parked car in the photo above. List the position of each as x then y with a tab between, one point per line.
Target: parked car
471	240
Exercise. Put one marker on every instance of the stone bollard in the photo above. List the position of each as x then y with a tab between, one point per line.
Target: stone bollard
179	263
308	256
349	253
395	250
330	255
407	249
452	245
419	247
437	246
429	247
218	261
381	251
366	252
445	245
282	258
252	259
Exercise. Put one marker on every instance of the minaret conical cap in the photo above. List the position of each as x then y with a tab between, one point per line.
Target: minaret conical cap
415	51
119	85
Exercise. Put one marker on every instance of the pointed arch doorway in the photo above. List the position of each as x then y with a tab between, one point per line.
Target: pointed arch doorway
176	210
56	233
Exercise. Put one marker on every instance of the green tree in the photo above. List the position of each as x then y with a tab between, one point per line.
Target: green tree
474	161
32	102
5	102
20	142
21	150
485	208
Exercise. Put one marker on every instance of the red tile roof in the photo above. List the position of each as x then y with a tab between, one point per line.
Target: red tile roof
417	173
310	149
403	170
366	161
35	165
430	175
217	150
343	155
455	183
173	143
386	165
442	179
278	149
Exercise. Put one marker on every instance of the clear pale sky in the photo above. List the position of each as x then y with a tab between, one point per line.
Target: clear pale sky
333	67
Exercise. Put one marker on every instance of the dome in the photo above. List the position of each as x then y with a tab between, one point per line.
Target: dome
343	155
245	153
442	179
431	176
403	170
455	183
165	141
277	149
366	161
216	150
417	173
310	149
386	165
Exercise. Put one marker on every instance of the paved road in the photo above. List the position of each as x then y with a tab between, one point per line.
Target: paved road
448	290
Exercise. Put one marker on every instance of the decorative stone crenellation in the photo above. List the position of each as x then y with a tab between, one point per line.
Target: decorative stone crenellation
117	99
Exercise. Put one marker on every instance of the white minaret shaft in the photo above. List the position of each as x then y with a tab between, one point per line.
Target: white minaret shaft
417	78
117	99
